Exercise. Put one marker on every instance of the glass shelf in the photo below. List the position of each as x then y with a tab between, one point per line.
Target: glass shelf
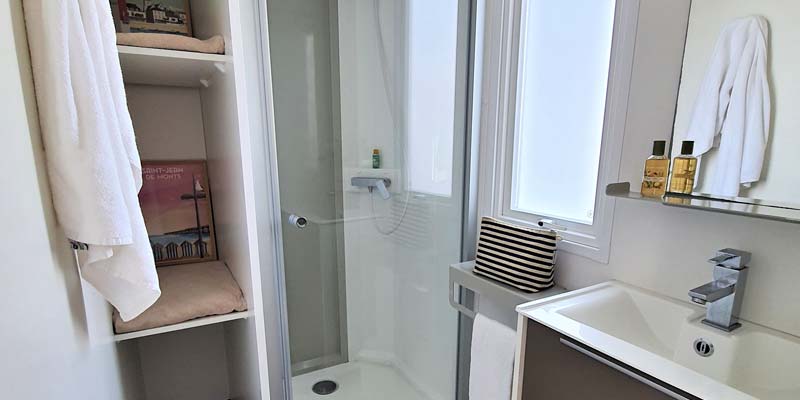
734	206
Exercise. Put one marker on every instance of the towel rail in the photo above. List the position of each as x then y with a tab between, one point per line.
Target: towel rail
455	302
316	220
462	275
76	247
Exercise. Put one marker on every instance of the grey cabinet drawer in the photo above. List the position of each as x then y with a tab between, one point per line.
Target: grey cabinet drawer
557	368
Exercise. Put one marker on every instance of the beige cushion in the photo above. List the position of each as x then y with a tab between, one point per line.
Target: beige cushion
188	291
213	45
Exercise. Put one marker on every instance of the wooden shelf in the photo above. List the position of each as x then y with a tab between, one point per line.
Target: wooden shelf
214	319
146	66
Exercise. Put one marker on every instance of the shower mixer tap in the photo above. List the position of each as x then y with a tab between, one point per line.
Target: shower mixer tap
380	184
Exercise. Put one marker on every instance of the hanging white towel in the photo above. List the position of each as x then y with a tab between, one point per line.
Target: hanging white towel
733	107
492	360
92	159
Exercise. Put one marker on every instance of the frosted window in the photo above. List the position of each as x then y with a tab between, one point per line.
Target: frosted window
432	29
565	54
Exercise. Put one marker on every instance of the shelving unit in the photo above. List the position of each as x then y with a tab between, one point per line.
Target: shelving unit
188	105
215	319
146	66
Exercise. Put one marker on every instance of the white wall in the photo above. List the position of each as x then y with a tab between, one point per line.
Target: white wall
168	122
55	341
665	249
708	17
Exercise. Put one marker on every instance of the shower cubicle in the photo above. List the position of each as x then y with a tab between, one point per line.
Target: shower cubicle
367	241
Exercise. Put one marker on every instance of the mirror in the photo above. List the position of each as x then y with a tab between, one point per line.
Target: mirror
738	95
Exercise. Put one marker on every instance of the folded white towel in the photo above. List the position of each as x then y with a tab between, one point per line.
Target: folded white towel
492	360
92	159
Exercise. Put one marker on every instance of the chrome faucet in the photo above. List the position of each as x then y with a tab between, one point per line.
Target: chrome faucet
724	294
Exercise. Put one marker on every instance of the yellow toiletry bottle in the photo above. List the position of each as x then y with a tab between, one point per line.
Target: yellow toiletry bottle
684	168
656	171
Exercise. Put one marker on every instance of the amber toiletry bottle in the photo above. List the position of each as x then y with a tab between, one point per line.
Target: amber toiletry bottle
684	168
656	171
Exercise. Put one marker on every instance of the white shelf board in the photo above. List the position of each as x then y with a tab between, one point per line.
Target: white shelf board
463	274
214	319
147	66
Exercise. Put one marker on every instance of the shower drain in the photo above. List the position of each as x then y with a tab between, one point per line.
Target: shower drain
324	387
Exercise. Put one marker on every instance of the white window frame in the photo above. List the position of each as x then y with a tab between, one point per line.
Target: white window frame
499	115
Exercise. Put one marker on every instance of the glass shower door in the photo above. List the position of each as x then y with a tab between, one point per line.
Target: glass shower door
309	169
370	113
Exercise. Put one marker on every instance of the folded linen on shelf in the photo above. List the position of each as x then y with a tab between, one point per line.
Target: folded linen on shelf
188	291
212	45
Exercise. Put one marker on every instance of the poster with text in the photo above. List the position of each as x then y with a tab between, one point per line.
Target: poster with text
176	205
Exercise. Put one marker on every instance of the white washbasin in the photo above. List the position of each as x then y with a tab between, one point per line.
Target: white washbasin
657	335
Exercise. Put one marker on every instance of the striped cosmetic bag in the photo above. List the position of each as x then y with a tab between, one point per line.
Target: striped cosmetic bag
518	256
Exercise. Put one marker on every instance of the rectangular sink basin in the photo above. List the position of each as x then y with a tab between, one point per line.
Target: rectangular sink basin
664	338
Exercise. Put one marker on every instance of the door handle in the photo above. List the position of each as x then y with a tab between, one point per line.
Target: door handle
549	223
298	221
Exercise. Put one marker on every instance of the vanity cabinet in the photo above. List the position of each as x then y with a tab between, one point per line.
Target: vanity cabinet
551	366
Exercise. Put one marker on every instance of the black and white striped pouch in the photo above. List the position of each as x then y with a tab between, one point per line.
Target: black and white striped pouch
518	256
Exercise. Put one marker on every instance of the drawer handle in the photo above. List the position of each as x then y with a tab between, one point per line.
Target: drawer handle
619	368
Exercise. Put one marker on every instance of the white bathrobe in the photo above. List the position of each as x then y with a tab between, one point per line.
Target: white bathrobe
733	107
93	163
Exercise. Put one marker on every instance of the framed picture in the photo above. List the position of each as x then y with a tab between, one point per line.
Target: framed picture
176	205
156	16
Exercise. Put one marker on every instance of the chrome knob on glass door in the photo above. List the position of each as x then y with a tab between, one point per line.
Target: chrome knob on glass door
298	221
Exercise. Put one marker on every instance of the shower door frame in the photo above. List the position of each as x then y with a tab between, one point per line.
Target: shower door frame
467	118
